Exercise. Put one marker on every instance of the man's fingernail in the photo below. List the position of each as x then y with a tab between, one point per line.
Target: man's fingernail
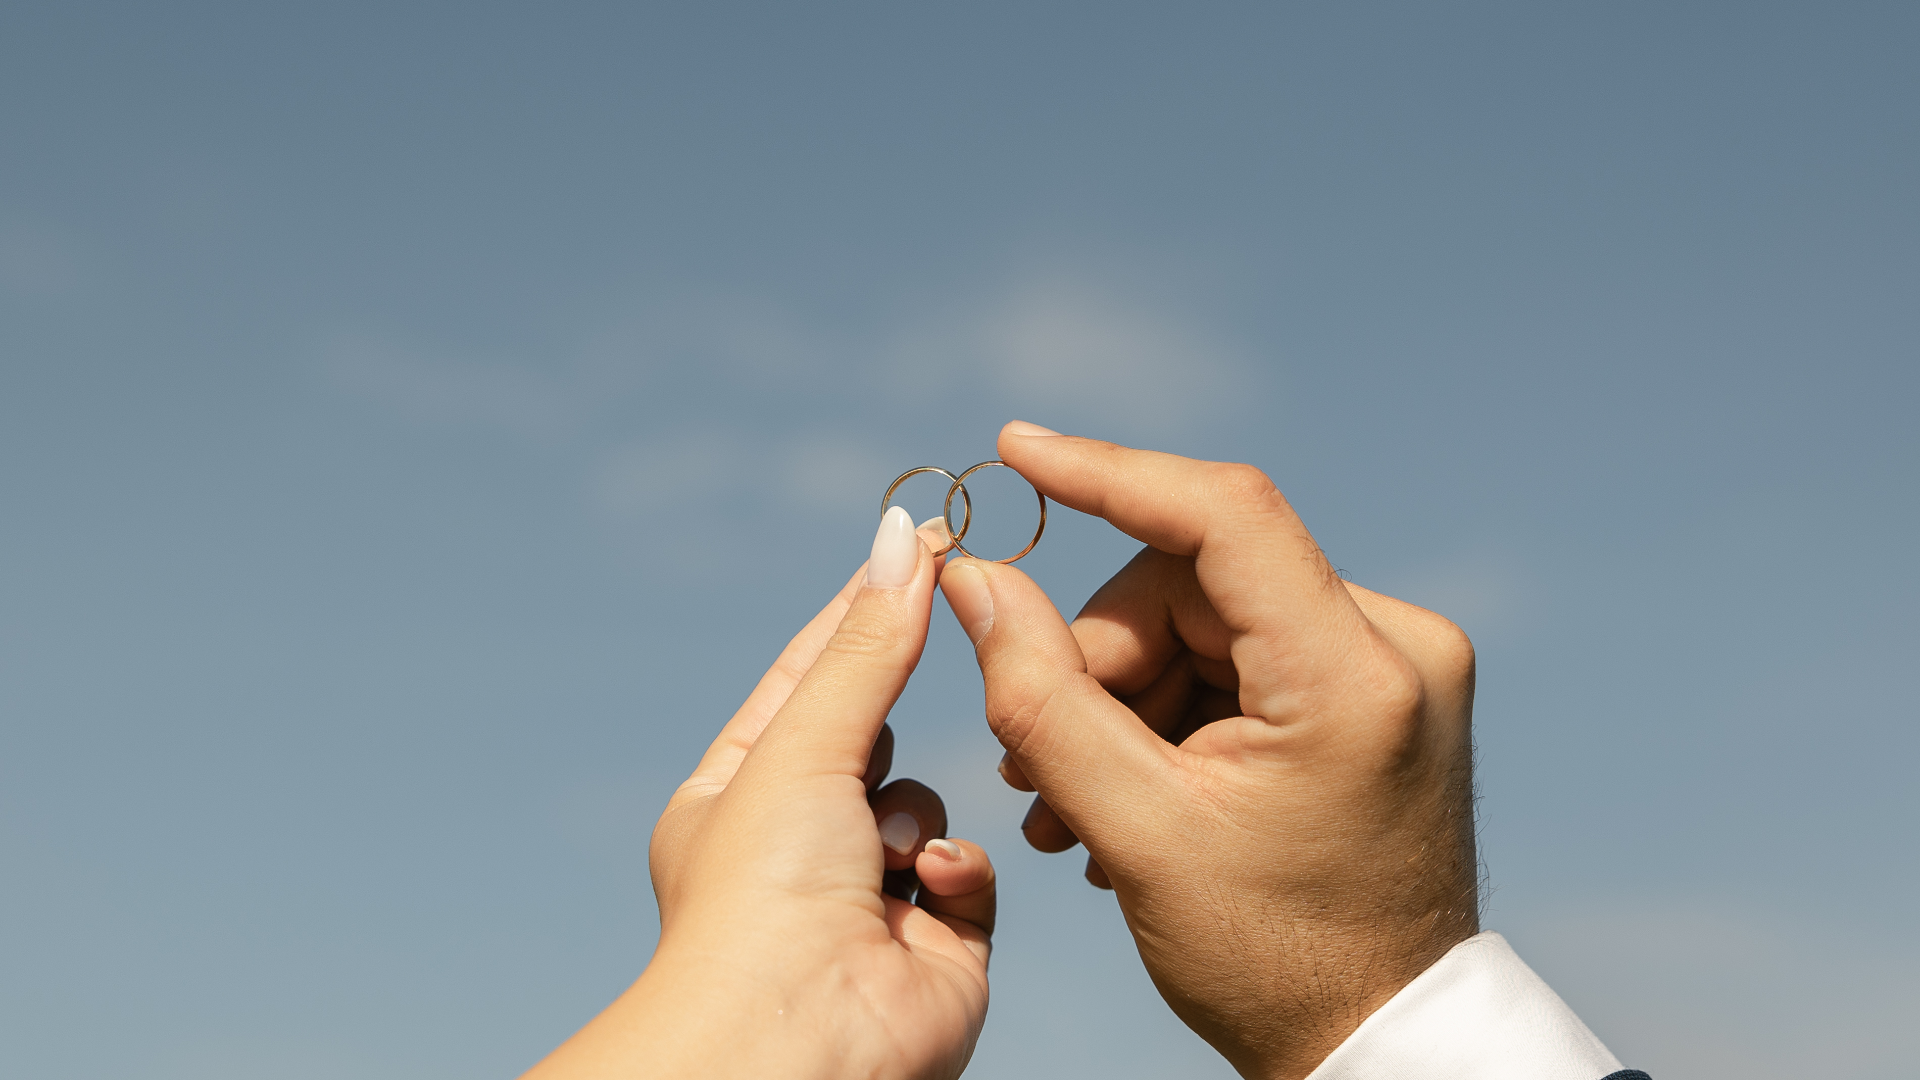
946	849
896	551
965	584
899	831
1021	427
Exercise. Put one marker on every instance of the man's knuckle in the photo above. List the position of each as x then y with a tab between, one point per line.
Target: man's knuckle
1016	715
1440	648
1452	652
1396	687
1013	718
1240	484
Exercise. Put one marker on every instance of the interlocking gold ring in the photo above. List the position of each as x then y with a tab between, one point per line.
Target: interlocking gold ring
966	520
960	485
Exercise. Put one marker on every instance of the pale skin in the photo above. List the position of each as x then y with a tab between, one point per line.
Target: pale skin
781	951
1271	768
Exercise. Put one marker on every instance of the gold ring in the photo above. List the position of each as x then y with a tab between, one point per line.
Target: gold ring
966	520
959	485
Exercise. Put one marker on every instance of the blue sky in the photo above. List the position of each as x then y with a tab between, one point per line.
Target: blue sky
419	425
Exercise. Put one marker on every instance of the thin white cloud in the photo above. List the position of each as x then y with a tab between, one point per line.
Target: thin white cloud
1480	590
709	352
515	399
1066	346
816	473
685	502
677	408
643	479
735	339
833	472
1063	345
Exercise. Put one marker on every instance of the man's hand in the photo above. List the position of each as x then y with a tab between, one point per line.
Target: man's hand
1271	767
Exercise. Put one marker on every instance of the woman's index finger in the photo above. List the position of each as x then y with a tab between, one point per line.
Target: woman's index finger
828	723
730	746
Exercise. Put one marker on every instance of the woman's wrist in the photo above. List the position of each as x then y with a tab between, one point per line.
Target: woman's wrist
704	1013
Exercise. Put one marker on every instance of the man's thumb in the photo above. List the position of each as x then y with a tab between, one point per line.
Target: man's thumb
1096	764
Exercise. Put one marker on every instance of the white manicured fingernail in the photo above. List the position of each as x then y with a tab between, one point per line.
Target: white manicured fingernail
899	831
896	551
946	849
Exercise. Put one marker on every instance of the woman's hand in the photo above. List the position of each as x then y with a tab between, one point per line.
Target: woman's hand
1271	767
786	948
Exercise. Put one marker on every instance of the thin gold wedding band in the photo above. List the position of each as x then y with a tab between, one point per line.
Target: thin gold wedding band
966	519
959	484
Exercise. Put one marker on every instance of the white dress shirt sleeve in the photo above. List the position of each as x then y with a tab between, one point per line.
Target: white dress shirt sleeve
1479	1013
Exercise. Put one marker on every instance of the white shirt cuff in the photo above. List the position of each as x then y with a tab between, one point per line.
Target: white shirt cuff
1479	1013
